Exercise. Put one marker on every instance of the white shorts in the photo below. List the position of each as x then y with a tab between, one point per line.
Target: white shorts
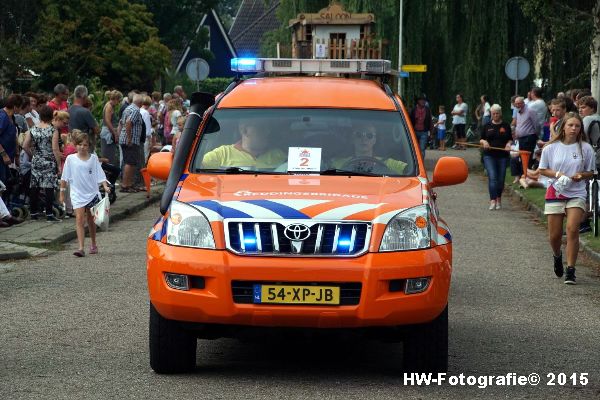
559	207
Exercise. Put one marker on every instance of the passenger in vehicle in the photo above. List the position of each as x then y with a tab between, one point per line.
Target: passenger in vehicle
364	159
253	150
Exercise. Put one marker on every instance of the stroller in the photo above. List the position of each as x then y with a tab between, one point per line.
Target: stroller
112	172
17	196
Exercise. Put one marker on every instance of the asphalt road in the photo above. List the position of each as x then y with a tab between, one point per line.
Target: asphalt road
78	328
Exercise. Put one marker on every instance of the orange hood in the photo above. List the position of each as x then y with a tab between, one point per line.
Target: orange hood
355	198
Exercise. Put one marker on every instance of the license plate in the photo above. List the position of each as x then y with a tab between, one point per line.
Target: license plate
293	294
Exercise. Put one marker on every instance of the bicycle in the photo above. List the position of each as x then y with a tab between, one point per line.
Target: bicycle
473	134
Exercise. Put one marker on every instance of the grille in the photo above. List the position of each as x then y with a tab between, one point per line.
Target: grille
268	238
243	291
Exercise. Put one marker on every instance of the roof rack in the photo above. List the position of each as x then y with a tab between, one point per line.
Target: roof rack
312	66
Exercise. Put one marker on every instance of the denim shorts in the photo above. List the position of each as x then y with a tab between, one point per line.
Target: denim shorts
92	203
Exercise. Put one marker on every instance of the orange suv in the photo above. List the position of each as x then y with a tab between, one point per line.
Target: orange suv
300	201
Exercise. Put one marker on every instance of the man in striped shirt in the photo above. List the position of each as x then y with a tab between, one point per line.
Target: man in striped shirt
131	130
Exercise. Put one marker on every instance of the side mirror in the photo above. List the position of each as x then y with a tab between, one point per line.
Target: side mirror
449	171
159	165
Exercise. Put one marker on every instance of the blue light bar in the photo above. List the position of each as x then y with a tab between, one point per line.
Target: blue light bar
344	243
249	241
246	65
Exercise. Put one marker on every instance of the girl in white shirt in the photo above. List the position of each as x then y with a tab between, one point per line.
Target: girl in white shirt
569	162
83	173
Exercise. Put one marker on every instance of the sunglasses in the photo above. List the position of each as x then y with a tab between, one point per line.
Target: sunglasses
364	135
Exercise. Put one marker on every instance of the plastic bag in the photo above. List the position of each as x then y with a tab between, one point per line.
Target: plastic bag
562	184
101	213
514	149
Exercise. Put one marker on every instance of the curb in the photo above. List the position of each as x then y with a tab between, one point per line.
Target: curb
15	255
118	216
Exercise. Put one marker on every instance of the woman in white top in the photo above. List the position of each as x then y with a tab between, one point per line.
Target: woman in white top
459	120
486	108
32	117
569	162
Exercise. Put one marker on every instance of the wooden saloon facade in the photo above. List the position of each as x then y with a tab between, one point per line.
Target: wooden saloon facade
336	33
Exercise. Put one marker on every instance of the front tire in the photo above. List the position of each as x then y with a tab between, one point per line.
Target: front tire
426	346
172	348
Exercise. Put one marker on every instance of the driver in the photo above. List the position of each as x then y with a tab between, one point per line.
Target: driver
363	141
253	150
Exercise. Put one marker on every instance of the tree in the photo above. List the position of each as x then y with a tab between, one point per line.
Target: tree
113	39
16	34
563	41
177	20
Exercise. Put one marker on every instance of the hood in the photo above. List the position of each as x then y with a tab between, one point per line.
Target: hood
315	197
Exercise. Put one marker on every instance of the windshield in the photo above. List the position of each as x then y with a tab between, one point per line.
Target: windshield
314	141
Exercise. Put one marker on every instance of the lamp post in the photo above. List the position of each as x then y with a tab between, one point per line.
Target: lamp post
400	12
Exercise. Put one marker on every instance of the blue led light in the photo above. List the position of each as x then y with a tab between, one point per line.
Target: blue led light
344	242
245	64
249	241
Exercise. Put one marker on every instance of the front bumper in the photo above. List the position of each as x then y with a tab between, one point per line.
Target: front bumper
378	306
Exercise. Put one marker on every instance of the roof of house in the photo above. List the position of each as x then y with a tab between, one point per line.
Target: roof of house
252	21
179	56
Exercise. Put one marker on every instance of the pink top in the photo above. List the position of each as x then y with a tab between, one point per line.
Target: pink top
67	151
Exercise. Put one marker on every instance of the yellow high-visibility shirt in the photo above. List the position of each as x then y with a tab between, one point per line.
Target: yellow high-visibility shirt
233	155
394	165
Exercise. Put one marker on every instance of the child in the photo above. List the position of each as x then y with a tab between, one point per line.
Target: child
441	127
177	135
68	149
83	173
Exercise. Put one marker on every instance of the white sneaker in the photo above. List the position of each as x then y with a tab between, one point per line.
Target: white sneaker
498	206
493	205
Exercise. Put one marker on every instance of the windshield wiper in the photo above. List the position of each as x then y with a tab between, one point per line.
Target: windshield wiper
337	171
236	170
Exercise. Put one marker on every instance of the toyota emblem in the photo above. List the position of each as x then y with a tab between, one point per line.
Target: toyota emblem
297	232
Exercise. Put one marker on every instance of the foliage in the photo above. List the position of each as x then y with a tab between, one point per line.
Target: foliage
16	34
177	20
564	40
210	85
170	78
466	43
227	10
113	39
214	85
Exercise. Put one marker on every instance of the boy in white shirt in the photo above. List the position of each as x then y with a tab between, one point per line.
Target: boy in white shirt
441	127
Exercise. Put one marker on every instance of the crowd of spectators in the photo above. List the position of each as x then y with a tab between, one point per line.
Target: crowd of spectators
36	131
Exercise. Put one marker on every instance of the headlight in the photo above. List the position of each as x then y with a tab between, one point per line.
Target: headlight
408	230
188	227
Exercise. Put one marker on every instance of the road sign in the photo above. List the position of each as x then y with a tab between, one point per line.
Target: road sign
403	74
197	69
517	68
414	68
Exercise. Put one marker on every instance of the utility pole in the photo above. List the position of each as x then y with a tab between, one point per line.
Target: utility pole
400	12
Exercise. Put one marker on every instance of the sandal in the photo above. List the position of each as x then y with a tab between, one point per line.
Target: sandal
93	249
128	189
79	253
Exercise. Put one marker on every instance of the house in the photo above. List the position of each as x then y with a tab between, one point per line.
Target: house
336	33
252	21
219	44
